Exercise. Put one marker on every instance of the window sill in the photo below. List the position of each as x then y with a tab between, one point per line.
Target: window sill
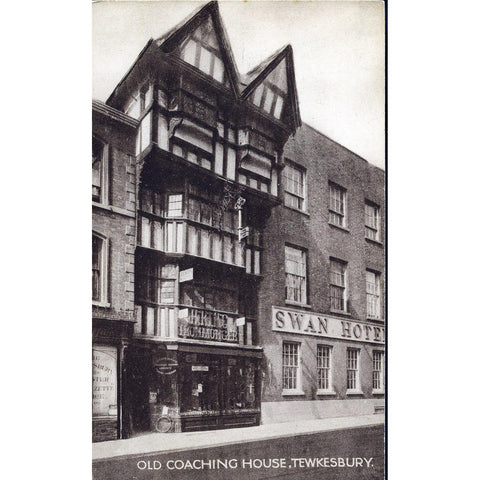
304	212
297	304
378	392
111	208
375	319
376	242
101	304
340	312
291	393
326	392
344	229
354	392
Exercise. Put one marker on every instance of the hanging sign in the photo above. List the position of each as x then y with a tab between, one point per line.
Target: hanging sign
243	232
186	275
183	313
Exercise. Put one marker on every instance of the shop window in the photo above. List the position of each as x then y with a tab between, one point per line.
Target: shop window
99	269
372	221
291	366
294	178
373	294
175	205
337	205
296	275
353	370
378	372
324	368
338	285
99	171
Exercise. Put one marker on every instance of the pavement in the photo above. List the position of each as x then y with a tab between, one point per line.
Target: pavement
187	441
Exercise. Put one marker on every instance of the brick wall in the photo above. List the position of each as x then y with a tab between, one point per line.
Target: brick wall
324	161
104	429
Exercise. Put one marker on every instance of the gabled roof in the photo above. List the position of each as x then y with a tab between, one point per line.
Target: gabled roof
258	74
175	36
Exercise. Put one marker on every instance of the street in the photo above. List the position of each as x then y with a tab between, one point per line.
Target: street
354	453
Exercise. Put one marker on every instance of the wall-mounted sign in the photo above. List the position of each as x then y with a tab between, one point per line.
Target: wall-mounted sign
183	313
199	368
240	321
243	232
164	365
104	363
186	275
307	323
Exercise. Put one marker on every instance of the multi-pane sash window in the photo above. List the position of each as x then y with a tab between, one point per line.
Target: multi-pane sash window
353	382
378	371
152	287
372	221
99	269
174	207
291	366
294	187
337	205
373	294
338	285
324	367
296	275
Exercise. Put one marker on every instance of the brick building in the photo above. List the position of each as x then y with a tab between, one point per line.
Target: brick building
256	244
113	260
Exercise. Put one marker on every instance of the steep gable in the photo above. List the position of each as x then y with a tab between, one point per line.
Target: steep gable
202	42
271	87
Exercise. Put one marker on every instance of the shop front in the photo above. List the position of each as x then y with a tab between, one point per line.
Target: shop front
189	387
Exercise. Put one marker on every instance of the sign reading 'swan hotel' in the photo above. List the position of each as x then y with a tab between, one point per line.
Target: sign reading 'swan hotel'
307	323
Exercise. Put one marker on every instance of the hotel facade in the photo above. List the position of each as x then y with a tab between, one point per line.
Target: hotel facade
239	277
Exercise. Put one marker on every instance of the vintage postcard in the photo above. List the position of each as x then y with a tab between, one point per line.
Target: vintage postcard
238	240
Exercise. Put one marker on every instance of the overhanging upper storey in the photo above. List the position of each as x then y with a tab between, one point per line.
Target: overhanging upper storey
271	88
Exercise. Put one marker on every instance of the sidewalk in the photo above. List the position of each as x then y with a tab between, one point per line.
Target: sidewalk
176	442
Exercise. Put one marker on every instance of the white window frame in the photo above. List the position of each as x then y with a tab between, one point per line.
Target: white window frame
104	173
103	271
337	205
300	275
324	363
373	293
378	371
295	194
291	351
353	365
372	221
336	284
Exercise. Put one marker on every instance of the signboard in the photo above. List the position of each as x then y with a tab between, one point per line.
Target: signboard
317	324
104	377
199	368
186	275
240	321
164	365
183	313
243	232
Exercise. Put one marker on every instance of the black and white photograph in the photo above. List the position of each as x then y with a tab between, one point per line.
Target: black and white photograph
238	240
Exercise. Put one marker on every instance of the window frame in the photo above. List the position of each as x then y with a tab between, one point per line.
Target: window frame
357	387
344	273
302	199
103	172
329	389
297	390
380	371
102	300
333	211
377	219
377	295
303	285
